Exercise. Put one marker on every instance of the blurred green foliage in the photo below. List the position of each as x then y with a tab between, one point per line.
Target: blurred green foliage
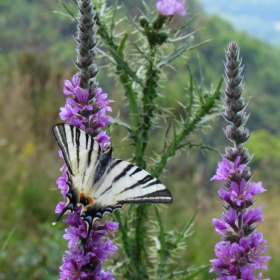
36	49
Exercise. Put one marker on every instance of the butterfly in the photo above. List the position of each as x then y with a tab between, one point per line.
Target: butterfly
100	182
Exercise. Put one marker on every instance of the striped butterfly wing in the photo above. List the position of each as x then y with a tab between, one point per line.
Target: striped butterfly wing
132	184
80	151
99	182
81	154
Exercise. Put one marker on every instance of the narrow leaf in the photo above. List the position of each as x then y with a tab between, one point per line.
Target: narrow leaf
122	45
186	229
124	65
7	240
68	10
120	123
185	25
112	25
176	39
175	54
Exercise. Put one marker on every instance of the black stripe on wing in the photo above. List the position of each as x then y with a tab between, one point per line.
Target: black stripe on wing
142	182
159	196
123	173
131	184
114	164
77	134
59	133
73	143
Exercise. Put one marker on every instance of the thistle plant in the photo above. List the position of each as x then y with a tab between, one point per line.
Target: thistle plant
239	253
138	62
86	108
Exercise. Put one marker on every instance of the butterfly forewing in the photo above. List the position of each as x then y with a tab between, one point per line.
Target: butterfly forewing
80	151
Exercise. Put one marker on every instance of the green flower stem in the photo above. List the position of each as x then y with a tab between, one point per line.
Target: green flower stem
127	76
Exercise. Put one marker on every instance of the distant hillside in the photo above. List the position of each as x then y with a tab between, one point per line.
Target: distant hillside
258	18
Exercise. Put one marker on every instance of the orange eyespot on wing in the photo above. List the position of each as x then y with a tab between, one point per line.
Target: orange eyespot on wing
86	200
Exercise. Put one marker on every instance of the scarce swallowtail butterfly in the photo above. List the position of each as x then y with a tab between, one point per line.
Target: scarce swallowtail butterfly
99	182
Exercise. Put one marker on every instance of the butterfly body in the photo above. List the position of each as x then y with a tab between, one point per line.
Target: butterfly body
99	182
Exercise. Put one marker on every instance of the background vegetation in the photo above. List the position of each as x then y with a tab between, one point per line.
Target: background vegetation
36	49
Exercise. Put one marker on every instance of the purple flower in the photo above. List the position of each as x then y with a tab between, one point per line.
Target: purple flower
59	207
171	7
225	169
82	97
253	216
101	100
103	139
240	194
77	121
220	226
71	88
61	183
256	240
67	112
99	119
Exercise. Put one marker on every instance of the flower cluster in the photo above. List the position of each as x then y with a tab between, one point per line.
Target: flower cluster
171	7
84	262
84	113
240	252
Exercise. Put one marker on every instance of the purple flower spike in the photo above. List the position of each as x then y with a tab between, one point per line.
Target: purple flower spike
240	252
79	260
86	108
171	7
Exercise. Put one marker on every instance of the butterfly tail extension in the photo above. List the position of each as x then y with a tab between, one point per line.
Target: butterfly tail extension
70	207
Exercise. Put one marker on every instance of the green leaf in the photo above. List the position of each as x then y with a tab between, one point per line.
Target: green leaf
64	14
124	65
185	25
68	10
186	230
106	55
120	123
167	59
147	9
176	39
112	25
122	45
7	240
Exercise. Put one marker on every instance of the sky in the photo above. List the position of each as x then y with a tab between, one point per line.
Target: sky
258	18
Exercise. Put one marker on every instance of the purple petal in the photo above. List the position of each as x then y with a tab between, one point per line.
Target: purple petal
171	7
